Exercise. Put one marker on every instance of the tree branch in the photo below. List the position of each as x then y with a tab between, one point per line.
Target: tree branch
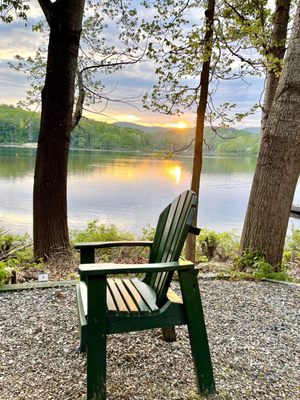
247	22
79	103
242	17
114	64
185	147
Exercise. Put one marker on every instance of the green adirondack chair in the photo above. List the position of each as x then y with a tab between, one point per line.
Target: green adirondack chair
111	305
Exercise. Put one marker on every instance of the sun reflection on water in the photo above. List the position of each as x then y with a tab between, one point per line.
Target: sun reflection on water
174	172
127	171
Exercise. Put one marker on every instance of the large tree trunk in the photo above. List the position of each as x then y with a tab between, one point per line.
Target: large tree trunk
277	51
201	110
50	229
278	163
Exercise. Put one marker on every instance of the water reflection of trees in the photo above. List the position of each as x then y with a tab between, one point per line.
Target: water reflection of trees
224	165
18	162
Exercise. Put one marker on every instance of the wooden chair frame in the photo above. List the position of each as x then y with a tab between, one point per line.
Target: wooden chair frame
150	303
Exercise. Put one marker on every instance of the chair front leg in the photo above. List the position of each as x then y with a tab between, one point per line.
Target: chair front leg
197	331
96	338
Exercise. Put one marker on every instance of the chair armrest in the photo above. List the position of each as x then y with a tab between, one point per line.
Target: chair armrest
102	245
86	270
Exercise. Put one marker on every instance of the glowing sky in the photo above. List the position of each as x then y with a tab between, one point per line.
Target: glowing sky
135	81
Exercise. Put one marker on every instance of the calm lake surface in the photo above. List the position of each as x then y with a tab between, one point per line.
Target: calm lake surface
129	190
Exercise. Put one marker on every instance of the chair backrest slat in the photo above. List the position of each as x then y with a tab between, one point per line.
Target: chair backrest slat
173	226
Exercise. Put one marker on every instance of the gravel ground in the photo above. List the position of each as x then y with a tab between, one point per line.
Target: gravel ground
253	331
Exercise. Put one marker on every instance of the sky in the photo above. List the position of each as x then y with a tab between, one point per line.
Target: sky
132	82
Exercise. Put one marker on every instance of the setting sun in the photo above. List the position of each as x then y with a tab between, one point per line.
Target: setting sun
178	125
152	122
182	125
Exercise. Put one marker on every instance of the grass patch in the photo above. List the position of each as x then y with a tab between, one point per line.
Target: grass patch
253	263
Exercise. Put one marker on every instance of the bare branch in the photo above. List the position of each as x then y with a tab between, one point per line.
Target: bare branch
98	113
113	64
108	99
185	147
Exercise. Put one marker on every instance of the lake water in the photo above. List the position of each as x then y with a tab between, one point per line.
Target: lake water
129	190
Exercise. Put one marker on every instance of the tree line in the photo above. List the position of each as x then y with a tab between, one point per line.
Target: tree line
18	126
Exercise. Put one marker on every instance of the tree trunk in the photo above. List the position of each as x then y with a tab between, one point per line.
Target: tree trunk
277	50
190	248
278	163
50	229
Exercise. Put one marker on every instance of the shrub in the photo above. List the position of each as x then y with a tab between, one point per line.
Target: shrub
254	262
95	232
148	233
251	260
5	272
15	252
222	246
292	246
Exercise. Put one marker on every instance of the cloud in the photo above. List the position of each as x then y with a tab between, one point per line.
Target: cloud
241	91
35	10
17	39
13	85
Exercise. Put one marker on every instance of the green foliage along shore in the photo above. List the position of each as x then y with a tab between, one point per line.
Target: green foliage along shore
213	250
18	126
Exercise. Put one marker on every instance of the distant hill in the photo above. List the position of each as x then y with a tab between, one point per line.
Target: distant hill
137	126
153	129
255	130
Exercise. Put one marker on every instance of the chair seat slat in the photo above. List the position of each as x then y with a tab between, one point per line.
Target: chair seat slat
173	297
140	302
111	305
147	293
121	305
126	296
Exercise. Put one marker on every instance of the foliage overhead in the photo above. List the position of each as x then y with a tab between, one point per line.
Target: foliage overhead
170	33
104	49
241	48
13	9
